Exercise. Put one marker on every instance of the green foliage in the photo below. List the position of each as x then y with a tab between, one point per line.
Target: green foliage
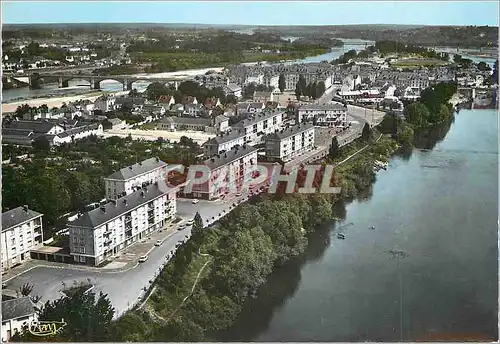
281	82
334	151
366	133
88	317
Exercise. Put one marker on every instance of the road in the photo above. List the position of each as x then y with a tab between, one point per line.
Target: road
123	288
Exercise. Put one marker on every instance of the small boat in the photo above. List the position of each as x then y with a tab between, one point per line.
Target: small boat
372	227
340	236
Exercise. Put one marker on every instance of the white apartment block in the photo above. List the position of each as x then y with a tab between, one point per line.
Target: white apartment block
124	181
105	103
257	79
101	233
331	114
21	233
256	127
237	161
223	142
290	142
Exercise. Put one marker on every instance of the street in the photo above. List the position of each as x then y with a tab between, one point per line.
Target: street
123	288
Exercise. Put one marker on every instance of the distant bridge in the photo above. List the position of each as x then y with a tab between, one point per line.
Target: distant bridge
95	80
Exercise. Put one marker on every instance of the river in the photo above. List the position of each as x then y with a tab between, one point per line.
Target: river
439	205
81	86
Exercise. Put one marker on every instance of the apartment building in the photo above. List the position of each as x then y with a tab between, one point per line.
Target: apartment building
21	232
124	181
257	126
101	233
290	142
223	142
237	161
331	114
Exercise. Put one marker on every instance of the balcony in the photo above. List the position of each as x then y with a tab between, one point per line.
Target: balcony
128	218
107	242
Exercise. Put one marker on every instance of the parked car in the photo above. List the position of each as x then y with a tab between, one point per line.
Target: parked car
195	201
158	243
142	259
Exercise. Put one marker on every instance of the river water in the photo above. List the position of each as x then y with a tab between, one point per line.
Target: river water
81	86
438	205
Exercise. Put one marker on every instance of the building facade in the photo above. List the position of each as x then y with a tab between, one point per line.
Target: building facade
101	233
124	181
223	142
237	161
21	232
16	313
331	115
290	142
257	126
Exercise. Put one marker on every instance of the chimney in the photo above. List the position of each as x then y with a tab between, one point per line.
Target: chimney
25	208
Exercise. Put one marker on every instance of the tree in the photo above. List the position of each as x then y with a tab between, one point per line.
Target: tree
302	84
298	91
334	148
417	114
198	222
281	82
483	66
320	89
41	144
494	75
87	317
155	90
367	132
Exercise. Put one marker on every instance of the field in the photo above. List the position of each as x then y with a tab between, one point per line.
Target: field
418	62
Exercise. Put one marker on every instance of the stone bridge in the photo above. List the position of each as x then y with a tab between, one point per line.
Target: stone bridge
95	80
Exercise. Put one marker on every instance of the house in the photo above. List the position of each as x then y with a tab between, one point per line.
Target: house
242	108
124	181
330	114
193	109
166	100
262	97
17	313
236	161
105	103
23	133
154	110
221	123
184	123
234	90
103	232
77	133
133	103
223	142
117	123
256	107
290	142
256	126
21	233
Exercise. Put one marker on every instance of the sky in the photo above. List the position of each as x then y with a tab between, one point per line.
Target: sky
254	13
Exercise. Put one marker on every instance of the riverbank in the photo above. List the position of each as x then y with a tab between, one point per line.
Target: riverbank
244	247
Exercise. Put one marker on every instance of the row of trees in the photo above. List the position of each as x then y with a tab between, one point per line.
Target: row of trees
188	88
312	90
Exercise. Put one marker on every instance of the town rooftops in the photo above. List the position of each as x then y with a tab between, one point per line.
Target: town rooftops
35	126
120	206
17	308
290	131
264	94
79	129
229	156
16	216
138	169
323	107
233	87
226	137
257	118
